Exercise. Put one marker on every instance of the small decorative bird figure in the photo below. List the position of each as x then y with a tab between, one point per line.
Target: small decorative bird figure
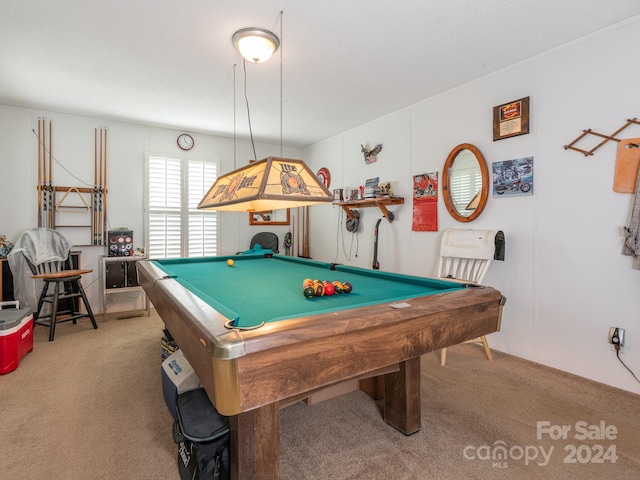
370	156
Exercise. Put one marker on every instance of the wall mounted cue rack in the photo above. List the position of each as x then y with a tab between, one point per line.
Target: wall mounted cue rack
90	202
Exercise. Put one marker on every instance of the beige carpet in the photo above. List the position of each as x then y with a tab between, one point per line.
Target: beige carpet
89	406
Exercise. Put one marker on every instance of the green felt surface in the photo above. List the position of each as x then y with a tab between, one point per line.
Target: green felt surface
258	289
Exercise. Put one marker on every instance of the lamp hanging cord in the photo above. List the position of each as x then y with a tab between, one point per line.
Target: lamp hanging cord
235	140
281	97
625	366
246	99
46	150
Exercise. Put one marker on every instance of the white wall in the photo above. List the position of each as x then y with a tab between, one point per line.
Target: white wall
73	147
564	278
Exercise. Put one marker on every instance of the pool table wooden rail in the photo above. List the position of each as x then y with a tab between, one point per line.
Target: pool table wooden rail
321	350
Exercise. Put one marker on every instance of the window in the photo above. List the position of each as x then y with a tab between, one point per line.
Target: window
176	228
465	184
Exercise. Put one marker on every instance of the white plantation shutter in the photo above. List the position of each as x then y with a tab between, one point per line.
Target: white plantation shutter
176	227
164	184
164	235
202	238
164	207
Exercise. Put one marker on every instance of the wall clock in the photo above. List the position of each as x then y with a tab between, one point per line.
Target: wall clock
324	177
185	141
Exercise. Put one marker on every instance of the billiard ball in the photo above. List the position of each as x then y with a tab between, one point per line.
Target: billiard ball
347	287
328	288
230	262
337	287
309	292
319	289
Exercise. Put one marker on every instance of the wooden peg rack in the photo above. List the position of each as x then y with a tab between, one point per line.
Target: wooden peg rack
607	138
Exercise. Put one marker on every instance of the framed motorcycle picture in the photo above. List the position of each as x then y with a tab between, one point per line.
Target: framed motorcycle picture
513	177
425	202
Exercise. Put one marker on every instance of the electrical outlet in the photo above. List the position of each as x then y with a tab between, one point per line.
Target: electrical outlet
616	336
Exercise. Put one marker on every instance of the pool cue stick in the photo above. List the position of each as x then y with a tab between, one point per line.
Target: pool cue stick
298	241
100	190
293	236
306	232
43	186
94	218
302	223
47	181
45	206
104	207
52	223
99	171
46	172
39	187
50	186
304	239
43	141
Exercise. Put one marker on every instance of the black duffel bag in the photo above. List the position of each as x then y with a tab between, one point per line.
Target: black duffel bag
202	435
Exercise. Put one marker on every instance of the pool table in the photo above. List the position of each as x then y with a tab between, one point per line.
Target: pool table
258	344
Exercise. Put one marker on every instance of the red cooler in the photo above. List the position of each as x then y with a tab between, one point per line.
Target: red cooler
16	336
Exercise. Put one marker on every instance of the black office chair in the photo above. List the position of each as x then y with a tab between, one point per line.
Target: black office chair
266	240
48	255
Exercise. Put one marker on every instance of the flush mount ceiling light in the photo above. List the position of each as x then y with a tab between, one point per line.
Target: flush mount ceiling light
255	44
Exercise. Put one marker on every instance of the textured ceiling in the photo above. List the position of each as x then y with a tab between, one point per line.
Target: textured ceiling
346	62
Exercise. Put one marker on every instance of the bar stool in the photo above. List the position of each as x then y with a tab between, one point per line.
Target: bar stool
66	286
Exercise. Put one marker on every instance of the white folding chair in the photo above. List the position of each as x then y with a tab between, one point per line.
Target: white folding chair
465	255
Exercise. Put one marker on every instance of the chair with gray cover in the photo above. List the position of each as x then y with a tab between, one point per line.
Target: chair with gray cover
41	263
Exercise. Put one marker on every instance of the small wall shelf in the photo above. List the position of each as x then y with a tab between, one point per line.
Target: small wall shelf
381	203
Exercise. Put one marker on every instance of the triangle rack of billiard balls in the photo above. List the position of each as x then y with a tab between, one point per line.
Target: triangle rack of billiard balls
316	288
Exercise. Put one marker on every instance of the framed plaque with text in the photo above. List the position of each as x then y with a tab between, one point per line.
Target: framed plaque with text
511	119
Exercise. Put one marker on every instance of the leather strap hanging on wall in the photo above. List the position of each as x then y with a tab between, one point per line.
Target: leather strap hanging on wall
499	243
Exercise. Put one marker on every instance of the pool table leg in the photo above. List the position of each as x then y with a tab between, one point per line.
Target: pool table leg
255	444
402	397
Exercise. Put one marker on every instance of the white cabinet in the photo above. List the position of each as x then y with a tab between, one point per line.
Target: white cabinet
120	275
